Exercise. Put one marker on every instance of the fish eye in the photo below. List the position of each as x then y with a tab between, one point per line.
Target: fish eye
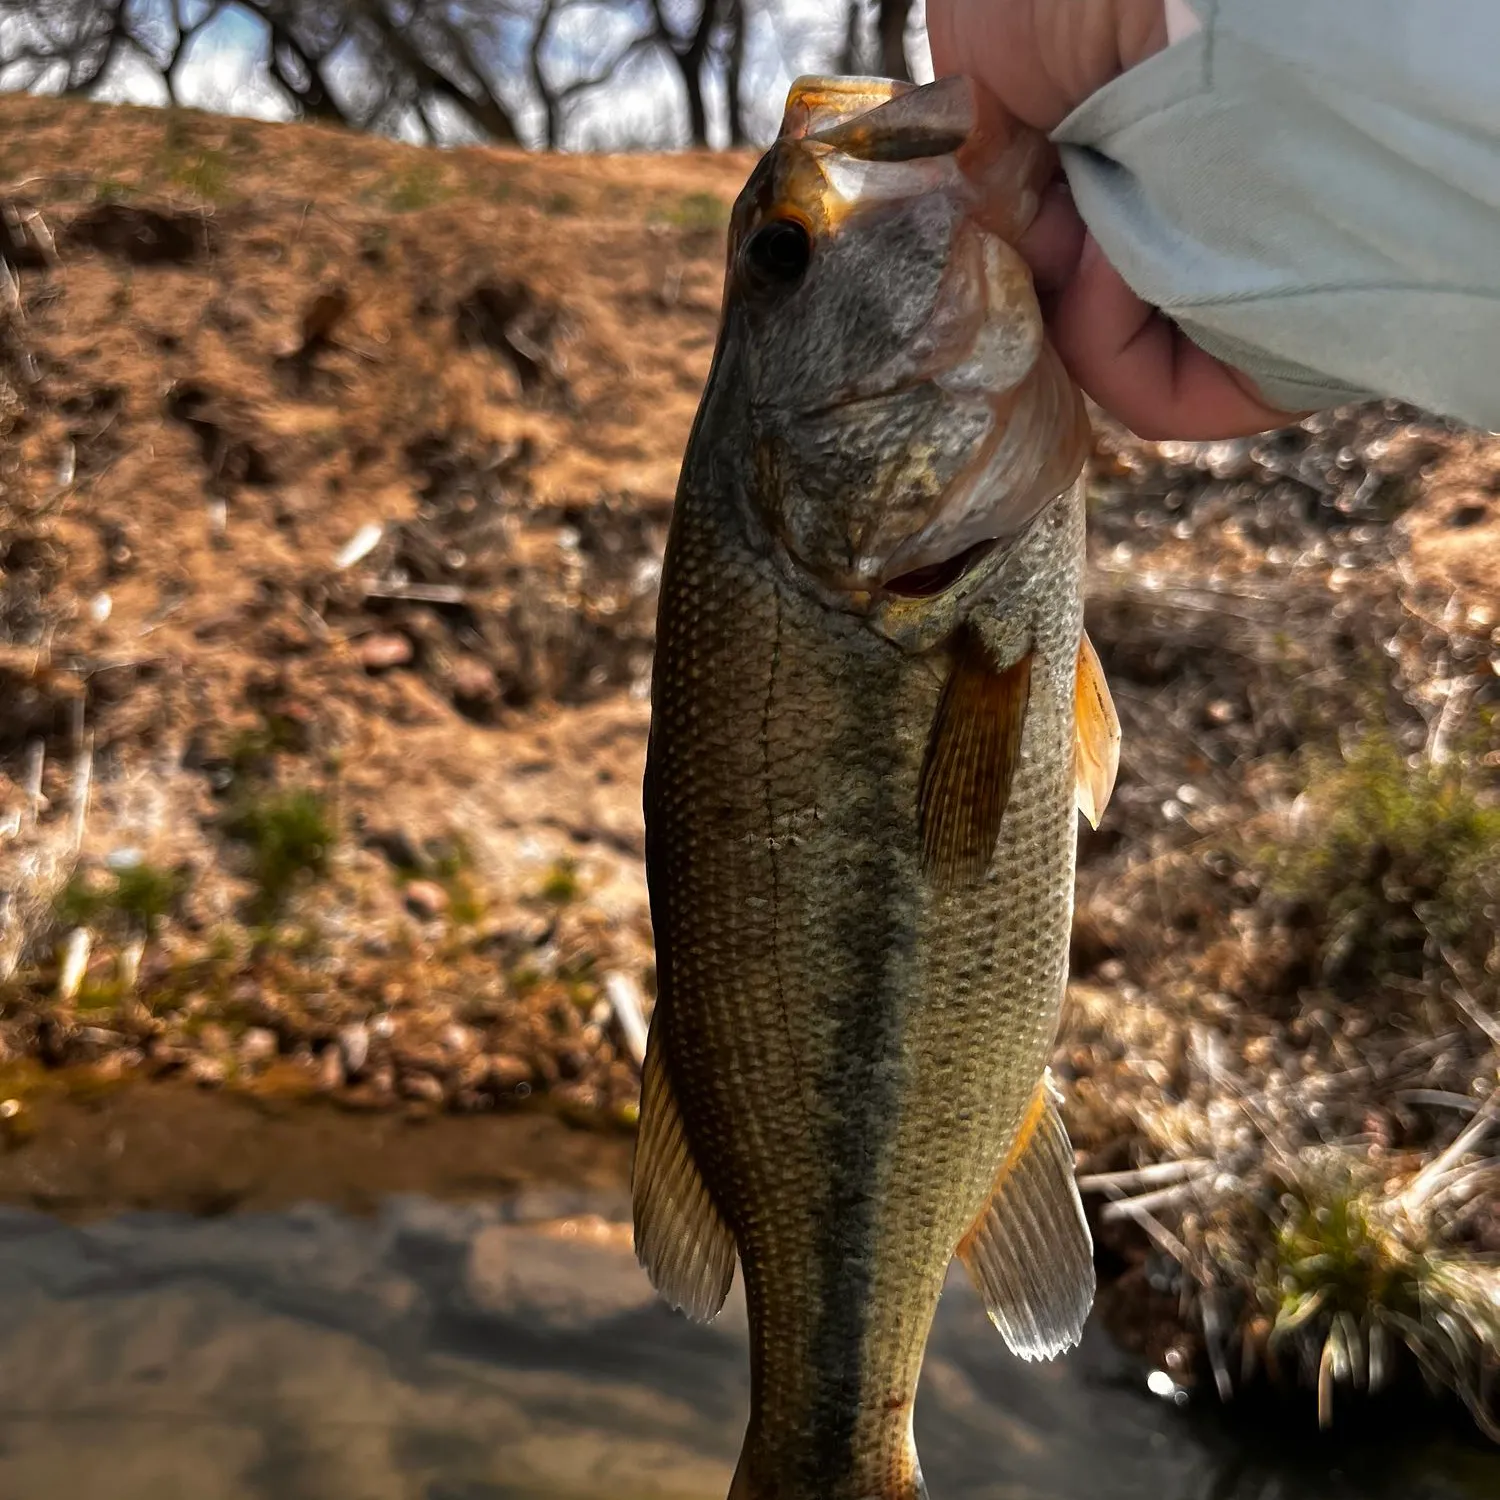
777	254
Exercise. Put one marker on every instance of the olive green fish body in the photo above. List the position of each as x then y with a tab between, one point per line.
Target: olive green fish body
852	1050
867	708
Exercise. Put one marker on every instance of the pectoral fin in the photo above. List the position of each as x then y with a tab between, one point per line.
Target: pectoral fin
1029	1252
1096	746
972	756
686	1248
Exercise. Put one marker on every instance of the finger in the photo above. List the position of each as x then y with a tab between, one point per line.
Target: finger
1143	369
1054	241
997	45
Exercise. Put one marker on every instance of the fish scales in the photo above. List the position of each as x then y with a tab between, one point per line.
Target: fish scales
853	1043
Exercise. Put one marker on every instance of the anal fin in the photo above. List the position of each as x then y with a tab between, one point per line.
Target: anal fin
972	754
1029	1253
685	1247
1096	746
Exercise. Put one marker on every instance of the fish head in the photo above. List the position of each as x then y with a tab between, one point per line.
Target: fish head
905	415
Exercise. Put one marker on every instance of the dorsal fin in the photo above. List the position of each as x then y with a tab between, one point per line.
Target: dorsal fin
686	1248
972	754
1029	1252
1096	744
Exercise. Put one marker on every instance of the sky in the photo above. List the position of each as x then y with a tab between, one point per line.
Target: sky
643	106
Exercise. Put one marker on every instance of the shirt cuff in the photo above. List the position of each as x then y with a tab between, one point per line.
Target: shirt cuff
1181	22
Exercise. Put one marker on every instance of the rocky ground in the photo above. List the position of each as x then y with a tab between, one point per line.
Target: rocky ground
334	478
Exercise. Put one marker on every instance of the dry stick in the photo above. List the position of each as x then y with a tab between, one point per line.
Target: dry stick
1155	1174
625	999
1465	1001
1130	1208
36	758
1425	1183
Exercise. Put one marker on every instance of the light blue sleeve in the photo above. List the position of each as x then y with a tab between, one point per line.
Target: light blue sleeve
1311	190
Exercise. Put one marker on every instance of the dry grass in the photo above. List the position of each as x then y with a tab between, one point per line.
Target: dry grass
1284	1054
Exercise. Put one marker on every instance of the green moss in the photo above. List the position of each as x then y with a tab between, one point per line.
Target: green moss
134	899
1385	858
419	186
561	884
698	211
1330	1247
289	835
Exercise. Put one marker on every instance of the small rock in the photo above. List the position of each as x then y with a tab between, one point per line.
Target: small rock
331	1070
258	1045
210	1072
472	680
382	1026
213	1038
459	1040
426	899
379	653
506	1070
422	1086
95	1041
398	847
117	1064
354	1044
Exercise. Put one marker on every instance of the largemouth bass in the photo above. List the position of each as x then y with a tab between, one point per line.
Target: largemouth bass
873	713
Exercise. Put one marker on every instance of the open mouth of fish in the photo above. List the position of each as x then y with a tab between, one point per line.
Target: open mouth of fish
937	578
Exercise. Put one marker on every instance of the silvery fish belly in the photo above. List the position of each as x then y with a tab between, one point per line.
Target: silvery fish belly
874	713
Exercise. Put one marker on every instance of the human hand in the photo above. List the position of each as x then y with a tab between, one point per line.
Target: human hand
1040	59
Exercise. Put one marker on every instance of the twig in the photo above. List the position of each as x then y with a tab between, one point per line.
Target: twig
36	758
421	593
75	961
83	773
1425	1183
1156	1174
625	999
1131	1208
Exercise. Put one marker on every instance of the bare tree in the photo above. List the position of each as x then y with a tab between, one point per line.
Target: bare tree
891	17
449	69
734	72
414	56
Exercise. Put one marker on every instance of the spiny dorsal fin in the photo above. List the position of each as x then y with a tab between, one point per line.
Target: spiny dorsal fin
1029	1252
686	1248
1096	744
972	756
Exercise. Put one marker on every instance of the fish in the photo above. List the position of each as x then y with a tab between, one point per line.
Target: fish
874	713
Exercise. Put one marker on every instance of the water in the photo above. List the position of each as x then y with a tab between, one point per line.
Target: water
441	1352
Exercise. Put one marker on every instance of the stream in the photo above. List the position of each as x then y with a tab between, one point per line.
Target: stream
512	1350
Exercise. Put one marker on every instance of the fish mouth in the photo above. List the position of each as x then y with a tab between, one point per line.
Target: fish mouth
937	578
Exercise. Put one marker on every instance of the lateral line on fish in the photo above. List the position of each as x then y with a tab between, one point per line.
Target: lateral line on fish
772	855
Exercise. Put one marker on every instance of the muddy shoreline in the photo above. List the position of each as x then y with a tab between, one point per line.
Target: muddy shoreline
167	1145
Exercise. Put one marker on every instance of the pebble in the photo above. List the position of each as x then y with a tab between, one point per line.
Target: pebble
209	1072
422	1086
331	1070
354	1043
459	1040
258	1045
379	653
506	1070
426	899
472	679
